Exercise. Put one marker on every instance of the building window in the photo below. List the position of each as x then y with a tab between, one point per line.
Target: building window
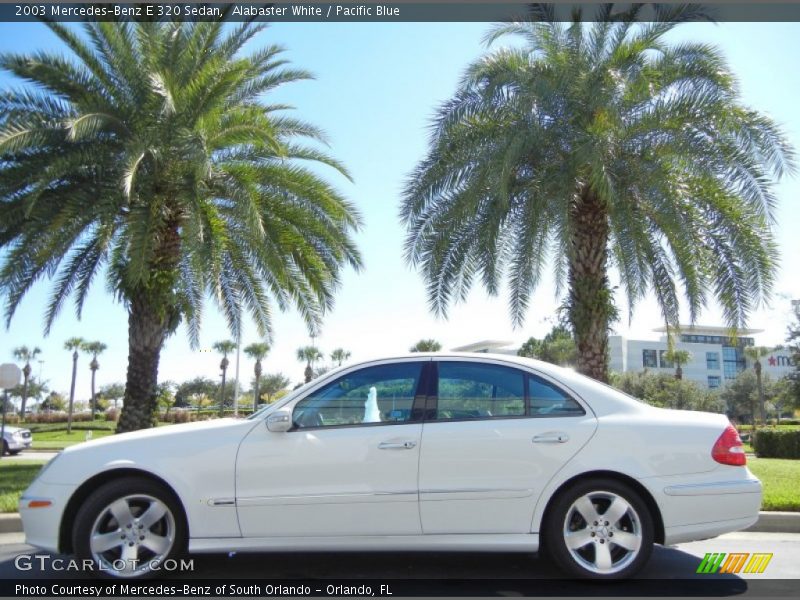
665	364
714	382
733	361
712	361
649	359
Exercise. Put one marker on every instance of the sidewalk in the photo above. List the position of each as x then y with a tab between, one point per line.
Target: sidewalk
771	522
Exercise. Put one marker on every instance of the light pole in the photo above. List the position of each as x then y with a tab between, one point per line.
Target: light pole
10	376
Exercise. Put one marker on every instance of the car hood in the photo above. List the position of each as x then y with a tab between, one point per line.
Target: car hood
10	429
156	450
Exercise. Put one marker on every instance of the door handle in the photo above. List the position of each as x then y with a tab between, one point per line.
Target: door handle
553	437
408	445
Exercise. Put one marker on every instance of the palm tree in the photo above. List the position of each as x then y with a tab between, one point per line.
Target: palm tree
196	186
426	346
25	354
257	352
598	145
309	355
74	344
339	356
95	349
678	358
756	353
224	347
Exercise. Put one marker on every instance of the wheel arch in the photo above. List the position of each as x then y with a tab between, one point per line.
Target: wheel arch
85	489
644	493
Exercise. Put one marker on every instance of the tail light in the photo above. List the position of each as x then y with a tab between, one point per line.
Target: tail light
728	449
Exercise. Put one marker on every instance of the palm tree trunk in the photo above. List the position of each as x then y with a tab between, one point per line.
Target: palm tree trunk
761	407
590	303
151	317
146	333
24	396
94	398
222	395
678	373
72	390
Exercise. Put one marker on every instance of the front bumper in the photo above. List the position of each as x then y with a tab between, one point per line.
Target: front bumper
15	444
42	525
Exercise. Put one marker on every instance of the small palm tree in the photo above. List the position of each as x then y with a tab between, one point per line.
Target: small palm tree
756	353
594	146
95	349
75	344
23	353
309	355
339	356
257	352
224	347
426	346
678	358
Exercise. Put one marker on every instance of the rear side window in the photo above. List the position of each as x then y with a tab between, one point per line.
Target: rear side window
547	400
476	391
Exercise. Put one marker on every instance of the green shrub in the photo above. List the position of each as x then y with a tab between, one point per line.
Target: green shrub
774	443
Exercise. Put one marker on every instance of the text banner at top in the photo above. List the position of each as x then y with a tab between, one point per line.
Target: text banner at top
400	11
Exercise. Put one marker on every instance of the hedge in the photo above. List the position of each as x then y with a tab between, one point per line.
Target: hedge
773	443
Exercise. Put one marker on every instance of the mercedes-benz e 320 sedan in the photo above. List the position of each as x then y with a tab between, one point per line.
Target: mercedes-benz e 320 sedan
425	452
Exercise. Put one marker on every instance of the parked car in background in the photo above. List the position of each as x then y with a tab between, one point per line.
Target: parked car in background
16	439
448	452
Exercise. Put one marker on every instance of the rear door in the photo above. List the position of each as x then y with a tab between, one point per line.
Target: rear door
493	436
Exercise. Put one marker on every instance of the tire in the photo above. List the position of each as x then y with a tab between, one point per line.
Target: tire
125	546
5	448
587	547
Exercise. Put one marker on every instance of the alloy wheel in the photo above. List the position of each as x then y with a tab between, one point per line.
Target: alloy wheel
132	535
602	532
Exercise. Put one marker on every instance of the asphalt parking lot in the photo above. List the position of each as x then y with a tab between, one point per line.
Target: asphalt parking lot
671	571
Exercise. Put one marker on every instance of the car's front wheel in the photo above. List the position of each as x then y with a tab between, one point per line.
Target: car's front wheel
129	527
599	529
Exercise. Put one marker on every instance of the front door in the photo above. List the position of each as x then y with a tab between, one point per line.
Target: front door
493	437
348	466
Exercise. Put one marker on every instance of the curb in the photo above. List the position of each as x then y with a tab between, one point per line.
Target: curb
776	522
768	522
10	523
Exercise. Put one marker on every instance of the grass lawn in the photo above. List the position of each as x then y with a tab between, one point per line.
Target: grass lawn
15	476
780	477
58	440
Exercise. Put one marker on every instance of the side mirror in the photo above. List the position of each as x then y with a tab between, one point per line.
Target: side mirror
280	421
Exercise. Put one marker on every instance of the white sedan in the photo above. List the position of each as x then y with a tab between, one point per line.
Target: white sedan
425	452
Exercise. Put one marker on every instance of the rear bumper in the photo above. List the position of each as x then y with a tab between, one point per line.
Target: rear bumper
706	505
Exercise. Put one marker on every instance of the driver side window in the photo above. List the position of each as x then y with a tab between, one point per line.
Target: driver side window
381	394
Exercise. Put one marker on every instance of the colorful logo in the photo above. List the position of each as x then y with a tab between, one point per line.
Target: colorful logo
735	562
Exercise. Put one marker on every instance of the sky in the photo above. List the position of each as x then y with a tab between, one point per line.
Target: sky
376	88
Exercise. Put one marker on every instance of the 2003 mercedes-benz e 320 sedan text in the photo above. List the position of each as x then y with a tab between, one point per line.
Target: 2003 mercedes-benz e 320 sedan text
424	452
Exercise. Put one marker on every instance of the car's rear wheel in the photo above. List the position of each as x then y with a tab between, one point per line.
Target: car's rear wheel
599	529
129	528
